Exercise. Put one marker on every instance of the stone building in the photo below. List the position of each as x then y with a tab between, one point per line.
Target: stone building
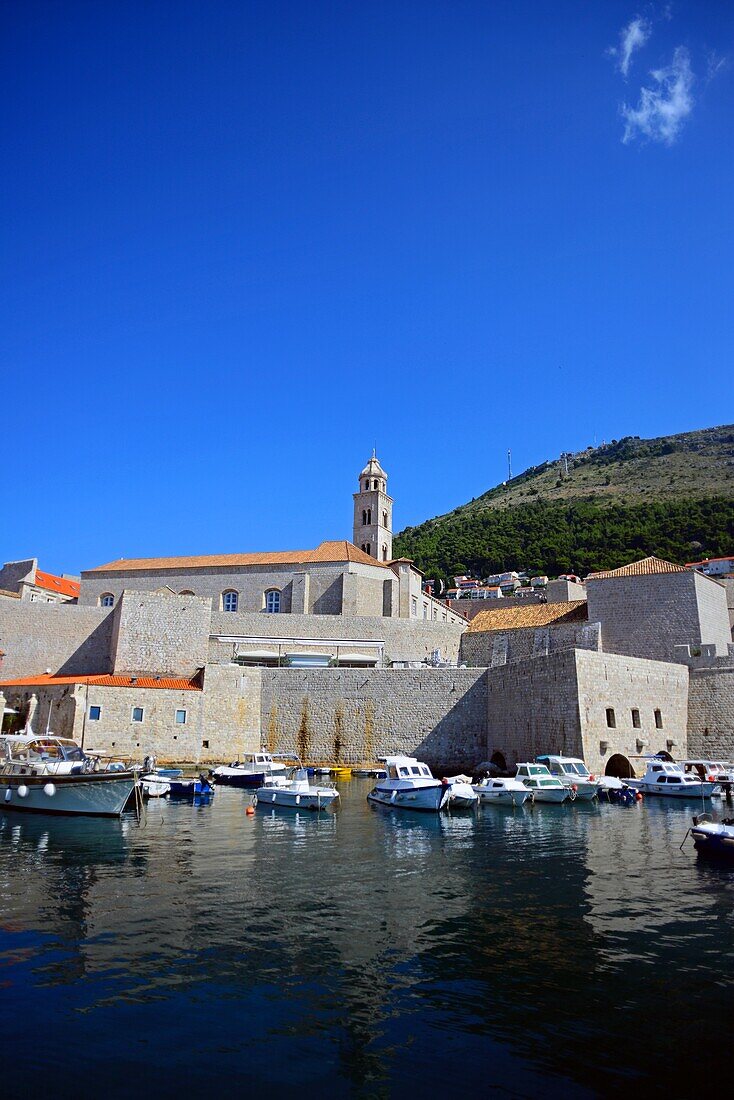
24	580
337	578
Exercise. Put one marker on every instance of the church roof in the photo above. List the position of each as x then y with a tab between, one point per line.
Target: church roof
373	468
643	568
325	552
529	615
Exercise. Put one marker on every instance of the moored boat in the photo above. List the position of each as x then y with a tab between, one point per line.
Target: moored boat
297	794
543	786
250	772
502	792
409	785
462	795
573	774
663	777
714	838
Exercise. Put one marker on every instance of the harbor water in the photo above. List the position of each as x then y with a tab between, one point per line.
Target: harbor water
568	950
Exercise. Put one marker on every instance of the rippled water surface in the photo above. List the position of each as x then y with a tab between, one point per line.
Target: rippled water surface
568	950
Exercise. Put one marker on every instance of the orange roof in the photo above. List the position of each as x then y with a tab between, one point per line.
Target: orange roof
341	551
706	561
644	568
52	583
528	615
171	683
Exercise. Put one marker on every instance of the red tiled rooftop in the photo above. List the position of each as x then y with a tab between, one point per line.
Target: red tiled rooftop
52	583
168	682
327	552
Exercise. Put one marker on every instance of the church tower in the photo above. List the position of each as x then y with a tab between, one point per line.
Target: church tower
373	512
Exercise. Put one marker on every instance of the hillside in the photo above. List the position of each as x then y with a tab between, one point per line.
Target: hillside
672	496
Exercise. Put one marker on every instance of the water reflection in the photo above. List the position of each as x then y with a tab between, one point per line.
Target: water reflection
535	947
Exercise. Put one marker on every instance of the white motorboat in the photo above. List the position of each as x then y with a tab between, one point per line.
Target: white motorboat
713	838
663	777
56	755
574	775
504	792
409	785
462	795
250	772
544	786
711	771
297	793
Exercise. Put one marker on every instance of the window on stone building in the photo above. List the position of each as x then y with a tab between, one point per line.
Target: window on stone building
180	717
369	515
94	713
366	484
425	610
366	547
384	551
205	744
611	718
230	600
137	714
384	519
364	517
658	719
635	718
106	599
414	606
272	601
374	484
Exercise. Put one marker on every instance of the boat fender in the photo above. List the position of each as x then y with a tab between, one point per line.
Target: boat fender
250	811
49	789
638	796
22	791
574	787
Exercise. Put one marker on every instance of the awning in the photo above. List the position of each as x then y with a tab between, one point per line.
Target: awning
359	658
258	654
9	710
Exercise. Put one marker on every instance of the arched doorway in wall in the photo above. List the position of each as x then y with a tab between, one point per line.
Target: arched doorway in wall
619	766
499	761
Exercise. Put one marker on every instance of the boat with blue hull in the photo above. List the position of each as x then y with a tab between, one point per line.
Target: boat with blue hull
410	786
249	773
714	838
190	787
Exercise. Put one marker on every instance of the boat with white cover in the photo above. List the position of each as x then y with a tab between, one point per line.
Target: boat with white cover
713	838
297	793
574	775
250	772
662	777
503	792
462	795
409	785
543	786
711	771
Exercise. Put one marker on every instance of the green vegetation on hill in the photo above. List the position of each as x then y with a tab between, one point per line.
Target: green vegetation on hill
673	497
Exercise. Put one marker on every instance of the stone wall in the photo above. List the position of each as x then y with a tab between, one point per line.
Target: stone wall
646	616
489	648
559	705
355	715
13	573
69	639
713	611
711	713
405	639
160	634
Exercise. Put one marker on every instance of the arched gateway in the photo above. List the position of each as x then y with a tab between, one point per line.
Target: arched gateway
620	766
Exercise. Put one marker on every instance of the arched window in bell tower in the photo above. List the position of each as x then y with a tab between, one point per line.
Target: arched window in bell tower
384	519
384	551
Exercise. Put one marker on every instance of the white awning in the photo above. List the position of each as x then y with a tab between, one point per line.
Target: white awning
358	658
259	654
9	710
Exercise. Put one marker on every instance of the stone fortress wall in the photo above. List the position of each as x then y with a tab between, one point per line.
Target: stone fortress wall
68	639
711	713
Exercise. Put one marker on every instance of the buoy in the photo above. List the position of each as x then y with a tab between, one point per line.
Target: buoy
49	789
22	790
250	811
639	796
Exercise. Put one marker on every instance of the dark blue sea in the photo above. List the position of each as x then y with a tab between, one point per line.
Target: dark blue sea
557	950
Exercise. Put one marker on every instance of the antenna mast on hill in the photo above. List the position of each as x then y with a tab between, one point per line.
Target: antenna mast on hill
509	465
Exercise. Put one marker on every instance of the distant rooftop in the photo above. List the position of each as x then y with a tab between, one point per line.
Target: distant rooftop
643	568
340	551
46	680
528	615
51	583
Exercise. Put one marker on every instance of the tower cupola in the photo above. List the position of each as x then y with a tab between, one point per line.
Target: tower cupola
373	512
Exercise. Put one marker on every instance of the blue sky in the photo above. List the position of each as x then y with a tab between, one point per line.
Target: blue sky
245	242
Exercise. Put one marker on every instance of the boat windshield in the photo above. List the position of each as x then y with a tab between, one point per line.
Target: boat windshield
46	749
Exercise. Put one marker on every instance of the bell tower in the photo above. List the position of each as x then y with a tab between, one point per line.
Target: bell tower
373	512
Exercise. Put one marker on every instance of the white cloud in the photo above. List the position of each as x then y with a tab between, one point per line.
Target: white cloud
632	37
662	109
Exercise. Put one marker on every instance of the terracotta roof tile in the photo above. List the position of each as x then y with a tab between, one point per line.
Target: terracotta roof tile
644	568
52	583
168	682
340	551
528	615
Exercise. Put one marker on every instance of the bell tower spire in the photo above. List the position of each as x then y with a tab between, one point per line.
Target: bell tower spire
373	512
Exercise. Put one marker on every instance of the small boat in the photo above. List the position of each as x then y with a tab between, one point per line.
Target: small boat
155	785
249	773
662	777
711	771
544	786
57	755
617	791
504	792
574	775
297	794
713	838
409	786
191	786
462	795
